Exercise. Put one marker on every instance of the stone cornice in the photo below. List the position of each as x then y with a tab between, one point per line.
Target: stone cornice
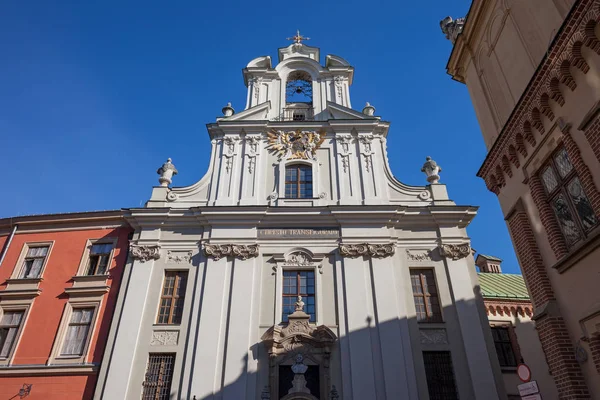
383	215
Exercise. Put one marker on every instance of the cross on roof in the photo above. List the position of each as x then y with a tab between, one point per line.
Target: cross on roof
298	38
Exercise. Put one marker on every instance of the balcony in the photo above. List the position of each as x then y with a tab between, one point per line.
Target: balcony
297	112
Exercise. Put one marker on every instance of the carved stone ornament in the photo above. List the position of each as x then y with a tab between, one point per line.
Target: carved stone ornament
433	336
174	256
172	196
164	338
285	343
242	251
144	253
366	249
455	251
166	173
452	28
418	255
432	170
295	144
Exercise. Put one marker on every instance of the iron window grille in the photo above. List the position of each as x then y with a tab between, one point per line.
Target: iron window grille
504	348
567	198
172	297
427	303
440	375
298	283
159	374
298	182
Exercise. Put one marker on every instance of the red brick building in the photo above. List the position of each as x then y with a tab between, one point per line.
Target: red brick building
59	279
532	69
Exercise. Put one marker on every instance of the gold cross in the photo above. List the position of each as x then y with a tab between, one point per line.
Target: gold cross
298	38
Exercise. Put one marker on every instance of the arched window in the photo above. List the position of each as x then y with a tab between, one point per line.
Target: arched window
298	182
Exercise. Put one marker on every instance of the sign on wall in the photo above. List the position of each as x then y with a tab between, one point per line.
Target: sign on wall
298	233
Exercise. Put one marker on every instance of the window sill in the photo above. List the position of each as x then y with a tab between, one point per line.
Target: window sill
578	252
85	278
42	369
20	281
167	325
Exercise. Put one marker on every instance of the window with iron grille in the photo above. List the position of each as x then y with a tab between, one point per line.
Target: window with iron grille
427	303
34	261
567	198
440	375
298	283
159	374
504	348
77	332
172	297
99	259
10	323
298	181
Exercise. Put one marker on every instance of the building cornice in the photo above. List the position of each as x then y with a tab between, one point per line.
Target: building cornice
66	221
382	215
532	107
462	49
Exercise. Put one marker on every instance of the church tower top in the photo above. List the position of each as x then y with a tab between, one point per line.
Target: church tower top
299	87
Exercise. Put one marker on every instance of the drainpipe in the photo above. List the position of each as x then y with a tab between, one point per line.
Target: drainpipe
7	244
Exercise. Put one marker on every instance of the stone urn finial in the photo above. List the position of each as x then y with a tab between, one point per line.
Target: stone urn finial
334	395
166	173
369	110
432	170
228	111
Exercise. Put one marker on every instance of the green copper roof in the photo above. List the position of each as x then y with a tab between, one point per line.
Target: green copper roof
503	286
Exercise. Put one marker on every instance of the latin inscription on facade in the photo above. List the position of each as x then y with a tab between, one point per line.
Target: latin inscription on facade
309	233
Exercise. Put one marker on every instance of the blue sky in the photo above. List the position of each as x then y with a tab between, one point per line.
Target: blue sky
94	96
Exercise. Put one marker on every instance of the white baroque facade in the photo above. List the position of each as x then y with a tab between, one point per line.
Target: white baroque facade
299	197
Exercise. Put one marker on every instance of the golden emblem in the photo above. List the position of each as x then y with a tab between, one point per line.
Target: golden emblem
295	144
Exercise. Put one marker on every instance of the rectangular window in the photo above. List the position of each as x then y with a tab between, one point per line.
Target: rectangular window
567	198
298	182
34	260
427	303
9	328
440	375
159	374
298	283
504	349
172	297
77	332
99	259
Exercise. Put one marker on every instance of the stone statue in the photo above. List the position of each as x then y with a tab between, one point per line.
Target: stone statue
299	304
166	173
452	28
299	367
432	170
299	382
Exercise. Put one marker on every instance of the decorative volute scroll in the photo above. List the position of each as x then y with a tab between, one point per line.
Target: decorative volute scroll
299	338
366	249
242	251
144	253
455	251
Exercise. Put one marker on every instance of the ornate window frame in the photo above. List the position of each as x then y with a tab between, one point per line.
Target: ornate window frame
15	305
316	187
86	255
74	303
19	264
290	262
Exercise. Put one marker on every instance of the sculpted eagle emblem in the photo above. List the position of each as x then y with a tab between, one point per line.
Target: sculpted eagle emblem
295	144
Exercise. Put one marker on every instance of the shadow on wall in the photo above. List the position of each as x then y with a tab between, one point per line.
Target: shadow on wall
369	352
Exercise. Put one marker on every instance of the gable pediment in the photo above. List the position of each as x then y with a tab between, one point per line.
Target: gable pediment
337	111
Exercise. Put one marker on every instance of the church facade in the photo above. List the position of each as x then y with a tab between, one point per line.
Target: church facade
298	267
